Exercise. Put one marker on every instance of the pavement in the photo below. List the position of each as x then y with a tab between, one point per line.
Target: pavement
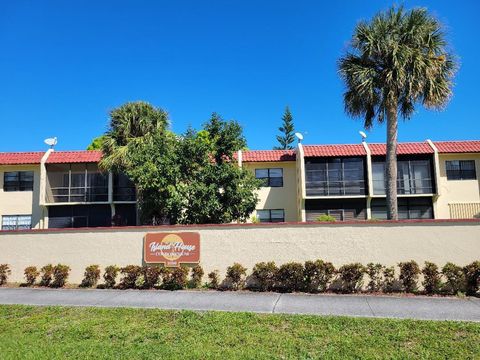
415	307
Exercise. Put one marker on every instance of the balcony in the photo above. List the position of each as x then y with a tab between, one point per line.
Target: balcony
413	178
335	177
84	183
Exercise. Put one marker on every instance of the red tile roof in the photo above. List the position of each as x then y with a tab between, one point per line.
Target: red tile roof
472	146
19	158
334	150
268	155
403	148
82	156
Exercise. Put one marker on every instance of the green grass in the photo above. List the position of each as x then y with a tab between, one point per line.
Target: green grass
83	333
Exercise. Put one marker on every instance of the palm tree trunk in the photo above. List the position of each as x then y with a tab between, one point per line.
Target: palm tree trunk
391	163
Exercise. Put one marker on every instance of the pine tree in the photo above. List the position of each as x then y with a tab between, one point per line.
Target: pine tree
287	129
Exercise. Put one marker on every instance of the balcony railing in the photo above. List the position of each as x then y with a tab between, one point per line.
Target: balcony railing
335	188
405	187
79	194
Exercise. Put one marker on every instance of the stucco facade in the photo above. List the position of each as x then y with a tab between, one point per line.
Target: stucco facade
221	246
22	202
461	194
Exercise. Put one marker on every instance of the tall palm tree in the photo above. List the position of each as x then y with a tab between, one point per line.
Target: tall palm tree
130	125
395	62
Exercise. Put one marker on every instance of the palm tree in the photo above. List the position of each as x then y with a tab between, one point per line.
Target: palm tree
396	61
130	124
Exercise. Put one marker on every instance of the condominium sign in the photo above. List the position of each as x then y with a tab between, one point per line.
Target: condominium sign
172	249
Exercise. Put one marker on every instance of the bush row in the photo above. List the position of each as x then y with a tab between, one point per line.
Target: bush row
312	276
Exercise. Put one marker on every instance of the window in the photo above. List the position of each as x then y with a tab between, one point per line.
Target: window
340	209
277	215
18	181
335	176
270	177
461	170
413	177
16	222
408	208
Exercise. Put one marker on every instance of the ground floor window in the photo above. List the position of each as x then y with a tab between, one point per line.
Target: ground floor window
408	208
271	215
340	209
76	216
16	222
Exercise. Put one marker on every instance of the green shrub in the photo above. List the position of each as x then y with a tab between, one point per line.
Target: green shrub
110	276
4	273
47	274
196	276
409	272
130	276
31	273
431	278
264	275
236	276
91	276
472	277
290	277
151	276
60	276
318	275
175	279
326	218
455	279
375	272
351	277
388	279
213	280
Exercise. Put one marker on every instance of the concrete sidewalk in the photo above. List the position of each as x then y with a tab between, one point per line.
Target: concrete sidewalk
427	308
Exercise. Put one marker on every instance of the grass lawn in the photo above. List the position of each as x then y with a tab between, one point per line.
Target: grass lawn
71	332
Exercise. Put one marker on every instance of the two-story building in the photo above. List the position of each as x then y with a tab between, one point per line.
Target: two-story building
436	180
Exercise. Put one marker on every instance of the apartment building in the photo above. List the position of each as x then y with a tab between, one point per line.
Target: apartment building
436	180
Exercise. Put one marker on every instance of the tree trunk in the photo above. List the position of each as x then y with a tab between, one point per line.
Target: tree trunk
391	163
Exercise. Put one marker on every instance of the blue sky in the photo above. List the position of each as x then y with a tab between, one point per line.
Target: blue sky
65	64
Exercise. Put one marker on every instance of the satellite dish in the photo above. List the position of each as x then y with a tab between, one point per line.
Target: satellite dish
51	142
299	136
363	135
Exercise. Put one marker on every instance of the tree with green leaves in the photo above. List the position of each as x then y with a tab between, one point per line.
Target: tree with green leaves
188	179
396	61
287	131
96	143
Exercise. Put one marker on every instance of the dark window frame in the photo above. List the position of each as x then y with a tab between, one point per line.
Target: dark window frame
270	218
268	180
20	183
460	173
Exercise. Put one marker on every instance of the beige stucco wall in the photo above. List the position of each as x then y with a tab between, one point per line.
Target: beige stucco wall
456	191
387	243
21	202
278	197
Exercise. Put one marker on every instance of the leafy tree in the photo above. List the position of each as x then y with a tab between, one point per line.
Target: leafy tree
287	129
184	179
396	61
96	143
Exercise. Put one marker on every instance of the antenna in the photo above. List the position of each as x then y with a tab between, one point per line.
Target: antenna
299	136
51	142
363	135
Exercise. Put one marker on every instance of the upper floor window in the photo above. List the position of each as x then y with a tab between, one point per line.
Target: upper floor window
277	215
270	177
16	222
461	170
335	176
18	181
413	177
